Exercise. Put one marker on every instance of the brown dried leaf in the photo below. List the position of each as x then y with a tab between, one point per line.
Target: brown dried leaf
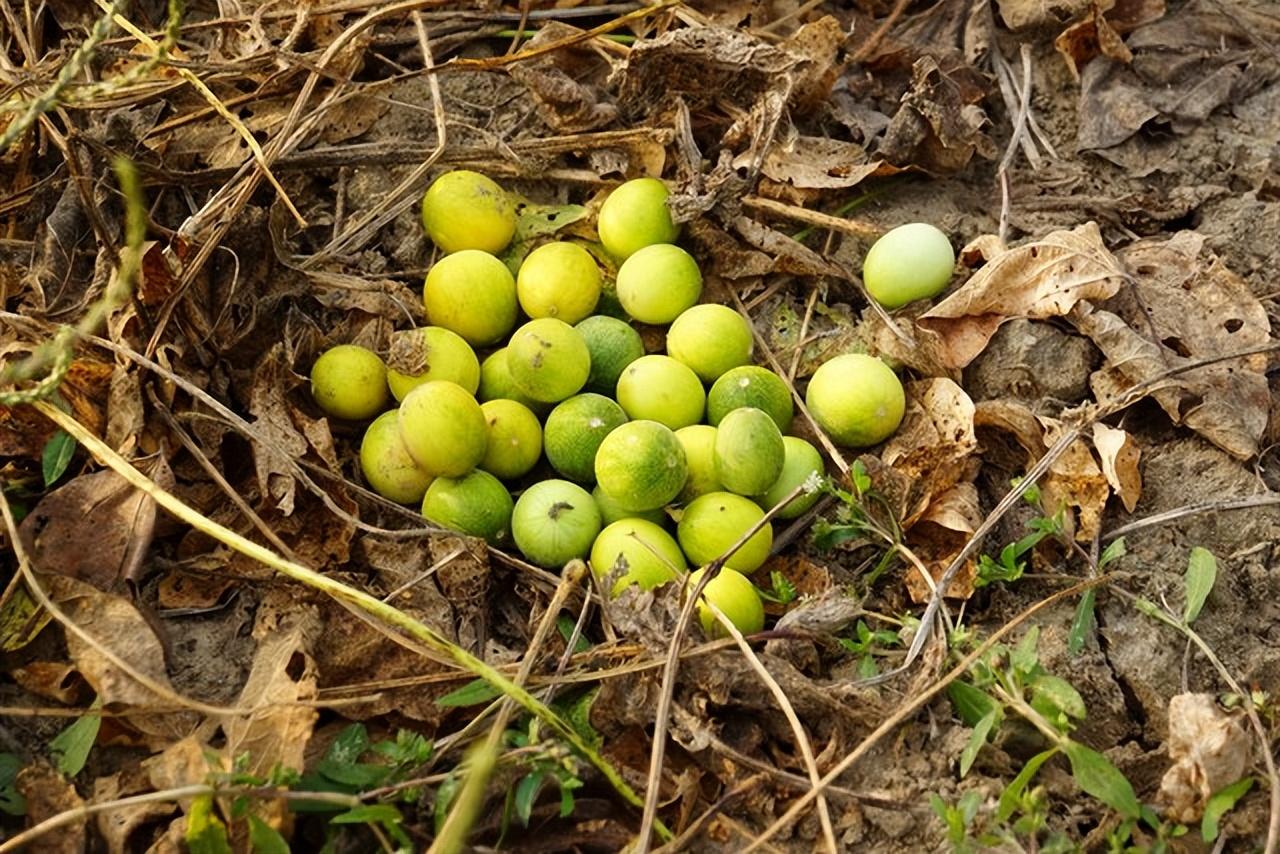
935	442
117	825
1018	14
464	581
788	255
941	534
47	794
1209	749
560	85
810	579
1044	278
814	162
939	126
24	433
1100	32
275	420
53	679
1119	454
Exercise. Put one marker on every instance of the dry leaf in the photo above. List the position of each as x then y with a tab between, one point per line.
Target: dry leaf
47	794
53	679
939	125
1100	32
933	446
1040	279
1119	454
941	534
559	83
1018	14
1209	750
117	825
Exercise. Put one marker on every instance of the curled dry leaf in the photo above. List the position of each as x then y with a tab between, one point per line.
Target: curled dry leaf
23	433
1119	454
53	679
815	163
47	794
1018	14
565	99
935	442
1209	749
1100	31
939	126
1040	279
939	535
117	825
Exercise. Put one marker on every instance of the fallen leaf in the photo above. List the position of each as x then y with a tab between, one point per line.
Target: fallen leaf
814	162
56	680
935	442
1019	14
24	433
47	794
118	825
1040	279
561	85
939	126
938	536
1119	454
809	579
1208	748
1100	32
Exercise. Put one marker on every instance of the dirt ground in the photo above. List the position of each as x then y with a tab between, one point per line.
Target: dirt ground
1118	233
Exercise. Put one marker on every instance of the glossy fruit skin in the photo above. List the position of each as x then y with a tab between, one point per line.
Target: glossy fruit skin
713	523
476	504
658	388
430	353
635	215
751	385
749	451
652	555
857	399
559	280
658	283
699	443
801	461
554	522
613	345
711	339
910	262
515	439
473	294
466	210
548	360
735	596
386	464
574	431
443	428
350	382
641	466
496	383
610	512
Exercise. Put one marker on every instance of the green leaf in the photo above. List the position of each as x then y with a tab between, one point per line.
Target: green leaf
11	802
265	839
206	834
349	746
1202	572
1024	656
369	814
565	625
577	711
534	221
1083	623
57	455
976	740
527	794
1096	775
444	797
972	704
71	746
861	479
1220	803
1013	792
21	619
1115	551
1061	693
474	693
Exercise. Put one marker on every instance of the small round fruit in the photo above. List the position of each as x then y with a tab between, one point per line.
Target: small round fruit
476	504
651	554
610	512
699	443
496	383
908	263
466	210
575	429
634	216
658	388
548	360
751	385
431	353
658	283
711	339
348	381
857	399
559	280
802	462
735	596
515	439
641	466
554	522
613	345
713	523
443	428
387	466
749	451
473	294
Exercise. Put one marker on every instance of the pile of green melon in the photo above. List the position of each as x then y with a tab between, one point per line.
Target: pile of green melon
524	417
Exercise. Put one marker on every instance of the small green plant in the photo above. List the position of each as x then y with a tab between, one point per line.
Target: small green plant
781	591
11	801
866	644
1012	562
862	516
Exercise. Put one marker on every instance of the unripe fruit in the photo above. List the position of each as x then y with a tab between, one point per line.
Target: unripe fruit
611	512
515	439
651	555
473	294
802	461
735	596
496	383
857	399
641	466
658	388
443	428
699	443
575	429
636	215
431	353
748	451
554	522
548	360
910	262
476	504
386	464
466	210
713	523
711	339
559	280
658	283
613	345
349	382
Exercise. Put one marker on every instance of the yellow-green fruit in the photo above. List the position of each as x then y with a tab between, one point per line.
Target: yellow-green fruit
910	262
349	382
857	399
713	523
711	339
387	466
473	294
443	428
658	388
515	439
548	360
649	554
751	385
611	512
641	466
431	353
802	462
466	210
575	429
613	345
496	383
733	594
554	522
634	216
476	504
699	443
658	283
559	280
749	451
